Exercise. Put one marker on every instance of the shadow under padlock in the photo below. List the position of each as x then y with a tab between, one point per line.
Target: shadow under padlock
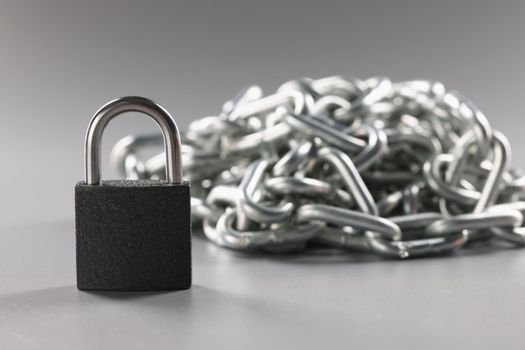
133	235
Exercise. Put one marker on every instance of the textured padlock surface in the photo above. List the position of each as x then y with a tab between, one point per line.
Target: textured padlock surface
133	236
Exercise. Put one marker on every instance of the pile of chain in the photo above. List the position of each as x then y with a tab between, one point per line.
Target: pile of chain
400	169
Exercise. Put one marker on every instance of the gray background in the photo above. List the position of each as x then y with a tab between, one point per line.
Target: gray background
61	60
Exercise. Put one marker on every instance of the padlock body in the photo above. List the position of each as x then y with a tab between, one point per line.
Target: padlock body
133	236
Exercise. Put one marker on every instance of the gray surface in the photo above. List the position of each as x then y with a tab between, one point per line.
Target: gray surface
61	60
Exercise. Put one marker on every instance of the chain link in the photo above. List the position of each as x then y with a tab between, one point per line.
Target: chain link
399	169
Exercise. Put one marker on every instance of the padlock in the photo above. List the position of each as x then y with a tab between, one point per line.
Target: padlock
133	235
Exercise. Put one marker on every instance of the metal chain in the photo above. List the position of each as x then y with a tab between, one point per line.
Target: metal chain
399	169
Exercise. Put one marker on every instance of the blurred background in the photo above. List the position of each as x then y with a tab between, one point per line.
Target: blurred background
60	60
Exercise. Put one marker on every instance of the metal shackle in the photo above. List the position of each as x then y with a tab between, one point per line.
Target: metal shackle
143	105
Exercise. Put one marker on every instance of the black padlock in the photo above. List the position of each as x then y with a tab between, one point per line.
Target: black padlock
133	235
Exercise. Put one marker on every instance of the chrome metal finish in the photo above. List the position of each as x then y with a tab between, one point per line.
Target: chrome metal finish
398	169
114	108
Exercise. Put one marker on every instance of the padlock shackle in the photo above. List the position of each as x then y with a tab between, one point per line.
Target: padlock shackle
122	105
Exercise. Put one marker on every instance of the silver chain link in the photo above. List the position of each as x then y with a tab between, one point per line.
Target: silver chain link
399	169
